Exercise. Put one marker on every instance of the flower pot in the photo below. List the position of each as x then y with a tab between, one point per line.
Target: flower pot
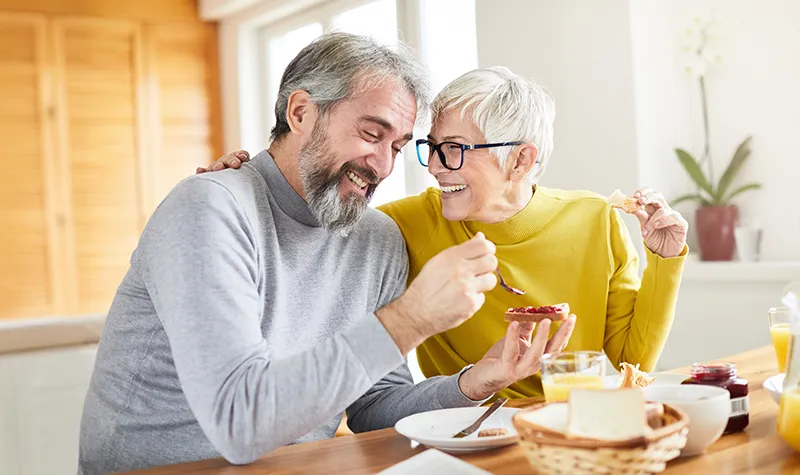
715	225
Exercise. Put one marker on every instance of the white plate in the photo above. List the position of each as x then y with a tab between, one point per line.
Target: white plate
774	386
662	379
436	428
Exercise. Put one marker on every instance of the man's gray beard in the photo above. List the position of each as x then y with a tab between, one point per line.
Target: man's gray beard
322	186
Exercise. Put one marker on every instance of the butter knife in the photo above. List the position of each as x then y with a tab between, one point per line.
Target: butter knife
477	424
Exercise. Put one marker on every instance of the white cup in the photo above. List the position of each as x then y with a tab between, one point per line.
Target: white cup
748	243
708	408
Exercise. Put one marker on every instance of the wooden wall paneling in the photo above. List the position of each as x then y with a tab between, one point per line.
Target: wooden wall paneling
99	117
28	236
148	165
185	108
123	9
143	98
54	183
214	89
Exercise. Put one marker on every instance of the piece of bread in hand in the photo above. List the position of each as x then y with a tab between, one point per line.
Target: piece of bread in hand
632	377
556	313
626	203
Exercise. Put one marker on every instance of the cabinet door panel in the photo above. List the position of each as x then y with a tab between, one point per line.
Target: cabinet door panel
182	62
100	97
26	214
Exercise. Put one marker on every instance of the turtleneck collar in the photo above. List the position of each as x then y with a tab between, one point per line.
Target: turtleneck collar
288	200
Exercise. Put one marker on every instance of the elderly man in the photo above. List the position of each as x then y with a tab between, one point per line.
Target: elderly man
262	303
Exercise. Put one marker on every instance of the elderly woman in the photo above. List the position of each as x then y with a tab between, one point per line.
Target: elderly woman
490	141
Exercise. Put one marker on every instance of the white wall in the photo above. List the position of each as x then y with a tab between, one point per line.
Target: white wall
667	110
623	102
754	91
216	9
723	308
580	51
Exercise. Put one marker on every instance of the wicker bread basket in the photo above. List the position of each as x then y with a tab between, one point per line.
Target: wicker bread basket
550	453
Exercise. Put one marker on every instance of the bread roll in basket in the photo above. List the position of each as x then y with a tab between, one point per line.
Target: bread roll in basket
550	452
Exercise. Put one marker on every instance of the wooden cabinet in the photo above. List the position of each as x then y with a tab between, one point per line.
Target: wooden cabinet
187	115
26	190
98	66
100	119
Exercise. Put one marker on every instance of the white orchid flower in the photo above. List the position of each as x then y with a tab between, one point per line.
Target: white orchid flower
692	44
697	44
711	57
696	66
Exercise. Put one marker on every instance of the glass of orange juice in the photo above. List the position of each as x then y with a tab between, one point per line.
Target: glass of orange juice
789	414
779	330
563	371
789	417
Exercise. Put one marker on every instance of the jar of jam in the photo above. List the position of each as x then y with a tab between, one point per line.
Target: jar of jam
724	376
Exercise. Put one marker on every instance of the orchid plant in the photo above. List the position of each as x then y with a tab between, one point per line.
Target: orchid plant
699	59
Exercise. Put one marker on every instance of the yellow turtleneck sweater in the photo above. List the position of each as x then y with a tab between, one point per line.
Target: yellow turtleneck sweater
564	246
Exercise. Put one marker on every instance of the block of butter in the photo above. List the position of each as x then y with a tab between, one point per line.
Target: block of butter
607	414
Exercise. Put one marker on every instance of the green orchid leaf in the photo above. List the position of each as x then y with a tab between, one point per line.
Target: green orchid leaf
742	152
739	191
690	197
695	172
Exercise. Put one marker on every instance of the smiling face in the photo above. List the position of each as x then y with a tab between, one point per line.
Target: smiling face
491	105
351	150
480	188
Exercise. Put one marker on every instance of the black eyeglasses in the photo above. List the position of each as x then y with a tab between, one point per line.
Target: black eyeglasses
451	154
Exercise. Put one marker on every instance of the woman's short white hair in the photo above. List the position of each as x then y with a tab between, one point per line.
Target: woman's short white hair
506	107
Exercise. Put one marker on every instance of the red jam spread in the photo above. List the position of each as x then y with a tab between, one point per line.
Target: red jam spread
724	376
560	308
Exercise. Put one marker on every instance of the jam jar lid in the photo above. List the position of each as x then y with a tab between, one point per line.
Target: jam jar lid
713	372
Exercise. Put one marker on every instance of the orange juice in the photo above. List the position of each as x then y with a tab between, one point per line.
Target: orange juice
558	386
789	418
780	340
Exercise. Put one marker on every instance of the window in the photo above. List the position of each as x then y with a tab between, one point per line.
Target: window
377	19
281	50
449	39
449	46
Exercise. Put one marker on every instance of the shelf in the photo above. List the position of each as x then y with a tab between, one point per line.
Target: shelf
781	272
49	332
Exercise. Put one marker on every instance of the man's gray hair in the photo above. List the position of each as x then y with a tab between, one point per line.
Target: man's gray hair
506	107
338	66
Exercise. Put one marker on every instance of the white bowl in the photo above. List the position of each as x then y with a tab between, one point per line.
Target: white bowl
774	386
708	409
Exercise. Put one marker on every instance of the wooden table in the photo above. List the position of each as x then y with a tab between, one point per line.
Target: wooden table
758	450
